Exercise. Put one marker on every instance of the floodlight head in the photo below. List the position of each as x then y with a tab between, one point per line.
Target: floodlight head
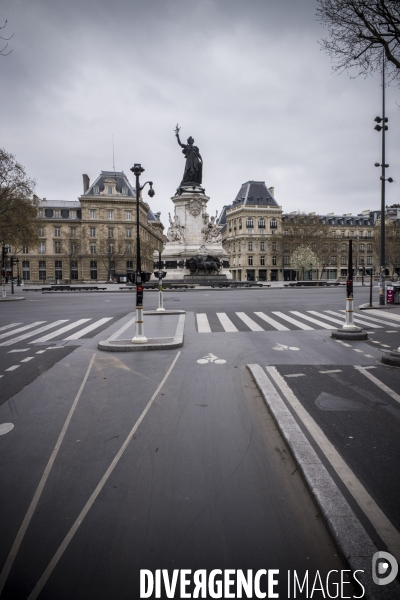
378	127
390	180
378	119
377	164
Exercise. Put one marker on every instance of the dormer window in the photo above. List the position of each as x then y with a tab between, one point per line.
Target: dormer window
96	189
124	191
109	189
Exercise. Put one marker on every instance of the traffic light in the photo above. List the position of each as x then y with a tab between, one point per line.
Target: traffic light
349	288
139	294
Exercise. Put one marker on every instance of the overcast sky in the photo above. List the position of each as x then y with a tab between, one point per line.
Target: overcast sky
245	78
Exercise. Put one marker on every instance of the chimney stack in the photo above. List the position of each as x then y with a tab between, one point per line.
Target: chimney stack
86	183
272	191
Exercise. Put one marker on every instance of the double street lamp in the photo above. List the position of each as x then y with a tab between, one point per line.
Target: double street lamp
383	165
139	338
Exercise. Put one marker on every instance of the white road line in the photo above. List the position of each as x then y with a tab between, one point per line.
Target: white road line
357	350
226	322
8	326
395	331
383	526
203	326
379	313
32	333
296	375
368	318
249	322
3	335
54	334
291	320
315	321
379	383
314	312
27	359
64	544
272	322
356	319
78	334
13	368
123	328
331	371
20	350
25	523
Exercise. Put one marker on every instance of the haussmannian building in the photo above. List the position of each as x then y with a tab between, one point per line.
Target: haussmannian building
260	238
94	238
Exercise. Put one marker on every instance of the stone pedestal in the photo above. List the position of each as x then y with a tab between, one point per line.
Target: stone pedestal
192	233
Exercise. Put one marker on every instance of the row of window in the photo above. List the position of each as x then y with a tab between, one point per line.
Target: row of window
92	214
96	190
314	247
58	269
286	260
73	248
92	231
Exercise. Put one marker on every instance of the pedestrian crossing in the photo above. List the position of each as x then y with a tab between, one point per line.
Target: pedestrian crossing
292	320
55	331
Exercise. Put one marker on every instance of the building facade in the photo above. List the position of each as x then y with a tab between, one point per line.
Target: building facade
94	238
260	239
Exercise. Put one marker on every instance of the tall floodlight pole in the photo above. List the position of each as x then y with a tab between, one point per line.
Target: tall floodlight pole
139	338
383	165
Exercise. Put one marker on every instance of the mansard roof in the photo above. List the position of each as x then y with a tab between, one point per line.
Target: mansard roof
254	193
348	220
118	176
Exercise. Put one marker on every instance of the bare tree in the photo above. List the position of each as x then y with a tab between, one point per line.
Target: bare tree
4	51
392	244
358	31
18	209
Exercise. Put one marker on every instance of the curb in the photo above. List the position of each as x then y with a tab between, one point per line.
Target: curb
378	306
151	344
12	299
354	543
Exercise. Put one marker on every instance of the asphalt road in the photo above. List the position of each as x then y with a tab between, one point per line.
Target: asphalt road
205	481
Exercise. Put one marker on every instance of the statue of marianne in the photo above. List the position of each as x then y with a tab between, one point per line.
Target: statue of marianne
194	163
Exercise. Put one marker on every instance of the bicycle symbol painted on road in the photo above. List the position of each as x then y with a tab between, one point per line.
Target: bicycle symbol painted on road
211	358
283	347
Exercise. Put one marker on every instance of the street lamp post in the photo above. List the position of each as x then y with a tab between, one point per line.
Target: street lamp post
383	165
311	271
139	338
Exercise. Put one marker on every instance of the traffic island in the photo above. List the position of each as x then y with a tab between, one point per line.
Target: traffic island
154	341
391	359
350	334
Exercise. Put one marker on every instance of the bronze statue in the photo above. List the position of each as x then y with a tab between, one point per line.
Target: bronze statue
194	163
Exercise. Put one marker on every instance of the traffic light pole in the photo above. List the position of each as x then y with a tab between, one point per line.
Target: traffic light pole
160	288
349	324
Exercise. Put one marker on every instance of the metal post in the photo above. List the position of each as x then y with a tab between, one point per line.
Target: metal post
370	289
349	323
160	288
12	274
139	335
383	260
18	278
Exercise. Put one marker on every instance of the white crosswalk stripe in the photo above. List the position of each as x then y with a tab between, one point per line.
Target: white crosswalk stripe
323	322
356	319
291	320
203	326
88	329
331	319
387	318
54	334
272	321
252	325
8	326
226	322
312	320
9	333
32	333
381	321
